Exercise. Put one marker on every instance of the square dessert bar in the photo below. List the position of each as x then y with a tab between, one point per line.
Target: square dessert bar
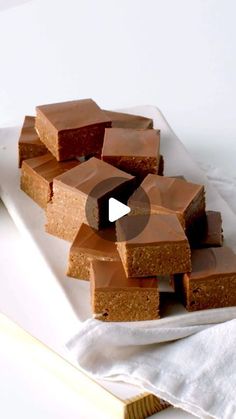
134	151
88	246
29	144
161	248
170	196
125	120
37	175
71	129
82	194
118	298
212	282
208	232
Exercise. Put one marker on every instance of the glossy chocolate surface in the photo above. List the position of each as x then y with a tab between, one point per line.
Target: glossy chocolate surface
88	174
102	245
160	228
213	233
125	120
108	275
171	193
131	142
28	134
207	232
212	261
73	114
48	167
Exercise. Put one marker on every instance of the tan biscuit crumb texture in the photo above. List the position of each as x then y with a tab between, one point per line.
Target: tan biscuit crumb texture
125	305
209	293
47	134
33	186
66	212
79	266
155	260
79	263
61	224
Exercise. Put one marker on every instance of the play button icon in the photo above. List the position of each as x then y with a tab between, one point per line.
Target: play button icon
116	209
107	202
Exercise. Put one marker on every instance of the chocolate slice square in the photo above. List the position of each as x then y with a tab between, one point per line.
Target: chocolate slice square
161	248
71	129
212	282
135	151
37	175
29	144
118	298
170	196
125	120
88	246
82	194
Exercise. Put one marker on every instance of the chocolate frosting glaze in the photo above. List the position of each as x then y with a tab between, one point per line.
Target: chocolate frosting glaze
48	167
90	173
112	275
174	194
214	226
160	228
131	142
125	120
74	114
102	245
28	133
212	261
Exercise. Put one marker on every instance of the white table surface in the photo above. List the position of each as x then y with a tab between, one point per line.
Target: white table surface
26	389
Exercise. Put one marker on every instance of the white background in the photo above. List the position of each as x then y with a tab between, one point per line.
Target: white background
177	54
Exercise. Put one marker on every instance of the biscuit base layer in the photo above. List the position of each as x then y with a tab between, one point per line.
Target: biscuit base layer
61	224
126	305
154	260
39	190
211	292
79	264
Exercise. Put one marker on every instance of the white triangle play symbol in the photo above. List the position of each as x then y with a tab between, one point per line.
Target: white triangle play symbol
116	209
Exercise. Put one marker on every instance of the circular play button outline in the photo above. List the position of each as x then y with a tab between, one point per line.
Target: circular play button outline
112	194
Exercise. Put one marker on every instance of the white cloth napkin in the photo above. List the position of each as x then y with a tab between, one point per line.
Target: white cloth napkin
188	360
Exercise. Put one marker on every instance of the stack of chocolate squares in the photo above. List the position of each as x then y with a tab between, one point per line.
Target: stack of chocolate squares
74	157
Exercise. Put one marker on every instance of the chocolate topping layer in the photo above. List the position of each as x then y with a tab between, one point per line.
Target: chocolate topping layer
213	232
131	142
48	167
208	231
125	120
174	194
109	275
28	133
160	228
98	245
90	173
212	261
74	114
